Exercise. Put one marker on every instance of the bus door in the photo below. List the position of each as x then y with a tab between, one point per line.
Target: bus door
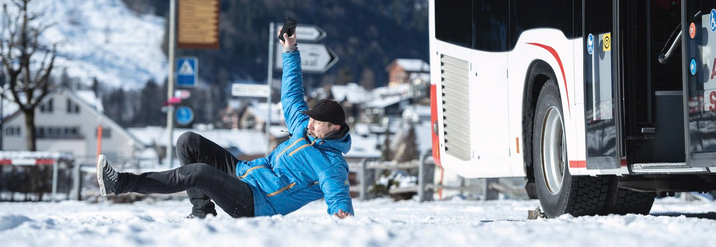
698	23
600	85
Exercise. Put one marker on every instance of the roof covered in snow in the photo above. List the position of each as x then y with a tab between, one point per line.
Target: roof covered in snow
410	65
352	92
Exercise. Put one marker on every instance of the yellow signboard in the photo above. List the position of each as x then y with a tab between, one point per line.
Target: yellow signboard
198	24
607	41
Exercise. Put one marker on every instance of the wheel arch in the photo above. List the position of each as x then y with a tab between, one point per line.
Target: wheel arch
538	73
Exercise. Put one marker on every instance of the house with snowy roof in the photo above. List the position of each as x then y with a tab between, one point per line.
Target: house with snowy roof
256	114
351	96
414	72
404	70
67	121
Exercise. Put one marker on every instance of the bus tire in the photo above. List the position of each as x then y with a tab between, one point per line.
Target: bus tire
559	192
631	202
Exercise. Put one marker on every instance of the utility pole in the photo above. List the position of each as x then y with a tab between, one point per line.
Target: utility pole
170	84
269	79
2	78
2	106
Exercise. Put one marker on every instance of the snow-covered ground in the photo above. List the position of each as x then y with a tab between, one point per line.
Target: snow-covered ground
378	222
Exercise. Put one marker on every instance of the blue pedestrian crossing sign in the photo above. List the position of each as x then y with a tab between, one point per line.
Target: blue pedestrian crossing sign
187	71
184	115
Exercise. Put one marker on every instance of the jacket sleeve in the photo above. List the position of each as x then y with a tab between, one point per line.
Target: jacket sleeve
292	93
335	187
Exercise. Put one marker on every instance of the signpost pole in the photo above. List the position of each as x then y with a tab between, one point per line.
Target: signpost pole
269	79
170	83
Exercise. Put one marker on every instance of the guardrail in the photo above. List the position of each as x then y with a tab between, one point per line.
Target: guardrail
366	176
35	159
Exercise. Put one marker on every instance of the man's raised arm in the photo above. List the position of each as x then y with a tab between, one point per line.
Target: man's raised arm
292	93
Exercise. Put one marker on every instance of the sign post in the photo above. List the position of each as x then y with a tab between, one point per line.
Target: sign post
184	115
250	90
170	84
269	80
198	24
187	71
309	33
315	58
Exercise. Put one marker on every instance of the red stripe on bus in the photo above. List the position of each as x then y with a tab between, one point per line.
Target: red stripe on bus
577	164
561	68
583	163
434	120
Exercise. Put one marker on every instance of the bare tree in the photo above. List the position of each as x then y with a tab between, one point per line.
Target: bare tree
28	78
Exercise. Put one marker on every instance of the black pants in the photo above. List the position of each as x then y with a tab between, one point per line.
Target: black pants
207	172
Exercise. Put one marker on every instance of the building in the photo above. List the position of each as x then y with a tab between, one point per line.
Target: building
351	96
68	121
255	115
413	72
404	71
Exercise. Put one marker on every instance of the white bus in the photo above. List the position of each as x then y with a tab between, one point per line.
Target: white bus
600	105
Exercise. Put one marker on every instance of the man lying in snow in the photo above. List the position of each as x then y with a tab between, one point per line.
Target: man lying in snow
305	168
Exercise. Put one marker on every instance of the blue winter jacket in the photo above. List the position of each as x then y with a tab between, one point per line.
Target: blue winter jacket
302	169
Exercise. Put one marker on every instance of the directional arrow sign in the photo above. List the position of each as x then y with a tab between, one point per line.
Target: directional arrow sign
249	90
315	58
309	33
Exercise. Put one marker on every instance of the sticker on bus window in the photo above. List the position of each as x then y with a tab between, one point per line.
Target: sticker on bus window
692	66
709	100
590	44
692	30
712	20
607	41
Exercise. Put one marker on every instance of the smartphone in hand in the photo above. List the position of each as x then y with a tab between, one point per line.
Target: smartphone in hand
289	27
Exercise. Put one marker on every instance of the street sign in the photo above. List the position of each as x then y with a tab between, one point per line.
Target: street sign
182	93
198	24
315	58
184	115
250	90
187	71
308	33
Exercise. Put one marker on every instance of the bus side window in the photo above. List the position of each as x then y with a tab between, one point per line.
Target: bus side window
491	21
453	22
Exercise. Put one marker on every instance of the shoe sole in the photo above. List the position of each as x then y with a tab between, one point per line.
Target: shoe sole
101	161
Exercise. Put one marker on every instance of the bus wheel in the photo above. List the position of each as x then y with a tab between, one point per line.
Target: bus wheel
558	191
631	202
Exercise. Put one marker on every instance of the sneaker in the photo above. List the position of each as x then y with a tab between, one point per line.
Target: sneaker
200	216
106	176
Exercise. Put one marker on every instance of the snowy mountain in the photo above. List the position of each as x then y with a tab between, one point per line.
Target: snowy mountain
103	39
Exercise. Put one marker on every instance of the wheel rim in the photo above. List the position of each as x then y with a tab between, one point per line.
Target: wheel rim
554	152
